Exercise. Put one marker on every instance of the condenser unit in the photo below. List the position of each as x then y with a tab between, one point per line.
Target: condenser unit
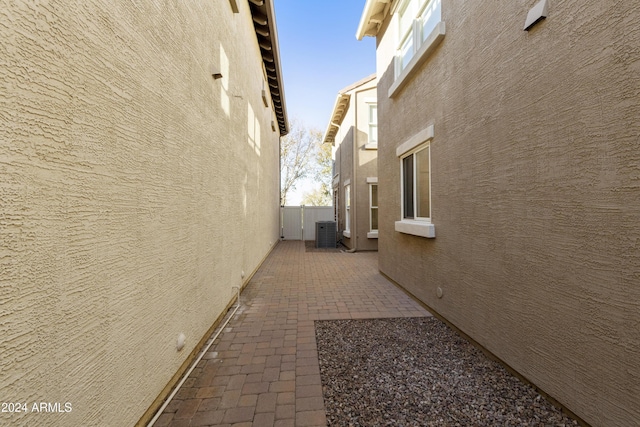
326	234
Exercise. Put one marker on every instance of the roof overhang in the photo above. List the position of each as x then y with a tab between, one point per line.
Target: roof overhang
372	16
337	116
264	22
340	108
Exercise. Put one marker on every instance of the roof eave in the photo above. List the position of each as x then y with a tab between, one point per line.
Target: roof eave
337	116
264	22
372	15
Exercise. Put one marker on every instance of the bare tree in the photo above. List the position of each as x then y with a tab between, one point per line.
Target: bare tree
297	152
323	168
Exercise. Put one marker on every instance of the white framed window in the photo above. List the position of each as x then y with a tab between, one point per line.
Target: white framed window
414	156
416	184
347	210
373	207
419	29
416	20
430	16
373	123
371	108
406	33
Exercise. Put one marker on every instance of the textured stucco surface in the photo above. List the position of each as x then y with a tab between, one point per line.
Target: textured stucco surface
135	191
354	131
367	164
344	166
535	192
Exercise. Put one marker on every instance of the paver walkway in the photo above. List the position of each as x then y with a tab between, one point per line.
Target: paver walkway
263	368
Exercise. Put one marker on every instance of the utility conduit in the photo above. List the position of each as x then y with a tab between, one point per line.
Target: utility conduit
195	363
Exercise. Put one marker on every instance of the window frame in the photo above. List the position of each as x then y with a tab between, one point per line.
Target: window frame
424	39
421	21
405	35
347	210
416	32
373	207
372	124
415	190
416	225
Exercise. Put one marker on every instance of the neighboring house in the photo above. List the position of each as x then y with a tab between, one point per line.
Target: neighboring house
139	171
353	131
508	165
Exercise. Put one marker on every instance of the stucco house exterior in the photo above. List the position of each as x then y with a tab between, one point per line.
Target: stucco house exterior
508	166
139	175
353	132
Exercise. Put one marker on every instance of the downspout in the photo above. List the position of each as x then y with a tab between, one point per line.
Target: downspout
354	204
352	250
280	205
354	176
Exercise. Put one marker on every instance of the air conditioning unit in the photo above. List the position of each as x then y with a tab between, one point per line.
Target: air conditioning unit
326	232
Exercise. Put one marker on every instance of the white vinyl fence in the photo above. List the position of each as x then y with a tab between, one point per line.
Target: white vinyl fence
299	222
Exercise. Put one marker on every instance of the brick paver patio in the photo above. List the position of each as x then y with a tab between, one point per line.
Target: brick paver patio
263	368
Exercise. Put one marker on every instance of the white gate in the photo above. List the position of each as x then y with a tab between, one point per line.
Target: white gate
291	222
299	222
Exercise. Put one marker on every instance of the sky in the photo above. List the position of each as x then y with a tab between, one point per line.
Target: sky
319	56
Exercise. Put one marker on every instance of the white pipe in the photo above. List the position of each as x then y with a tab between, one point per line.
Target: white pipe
193	365
238	297
339	189
354	174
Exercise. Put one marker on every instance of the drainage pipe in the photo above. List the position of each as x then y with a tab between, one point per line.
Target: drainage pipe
194	364
353	174
354	178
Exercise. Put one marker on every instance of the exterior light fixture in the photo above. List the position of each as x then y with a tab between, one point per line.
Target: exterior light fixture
536	14
215	73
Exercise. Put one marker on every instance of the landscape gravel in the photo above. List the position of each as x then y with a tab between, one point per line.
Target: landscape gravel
419	372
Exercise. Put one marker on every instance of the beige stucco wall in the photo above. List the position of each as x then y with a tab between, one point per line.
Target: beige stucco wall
135	190
366	163
344	168
535	192
354	130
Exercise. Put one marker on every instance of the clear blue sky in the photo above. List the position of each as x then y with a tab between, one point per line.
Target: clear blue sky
320	55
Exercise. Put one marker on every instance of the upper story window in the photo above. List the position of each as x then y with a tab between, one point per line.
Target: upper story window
373	124
416	20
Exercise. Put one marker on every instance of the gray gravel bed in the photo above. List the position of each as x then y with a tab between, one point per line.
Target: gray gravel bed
419	372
